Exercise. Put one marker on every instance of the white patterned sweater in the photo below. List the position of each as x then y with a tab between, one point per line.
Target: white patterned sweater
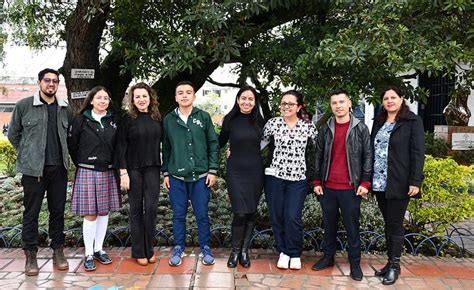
288	161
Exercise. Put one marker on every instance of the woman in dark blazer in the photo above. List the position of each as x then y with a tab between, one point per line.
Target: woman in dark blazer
399	153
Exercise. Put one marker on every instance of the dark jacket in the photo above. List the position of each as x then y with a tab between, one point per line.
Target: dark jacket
358	151
406	156
90	145
28	131
190	151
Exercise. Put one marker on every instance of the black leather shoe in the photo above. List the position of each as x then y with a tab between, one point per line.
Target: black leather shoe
244	258
356	272
102	257
323	263
382	272
233	258
89	263
393	272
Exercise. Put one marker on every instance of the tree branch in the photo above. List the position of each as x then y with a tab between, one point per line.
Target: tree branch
232	85
411	76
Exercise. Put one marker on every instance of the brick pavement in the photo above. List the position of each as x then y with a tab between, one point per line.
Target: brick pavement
124	273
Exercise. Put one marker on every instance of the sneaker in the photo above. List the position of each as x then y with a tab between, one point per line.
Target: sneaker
176	255
323	263
283	261
356	272
89	263
207	256
295	263
102	257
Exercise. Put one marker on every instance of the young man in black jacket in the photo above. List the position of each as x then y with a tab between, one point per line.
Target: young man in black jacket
343	172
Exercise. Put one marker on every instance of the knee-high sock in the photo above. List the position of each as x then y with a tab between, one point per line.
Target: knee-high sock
102	222
88	232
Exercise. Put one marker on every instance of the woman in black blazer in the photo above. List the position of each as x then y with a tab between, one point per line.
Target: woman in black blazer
399	153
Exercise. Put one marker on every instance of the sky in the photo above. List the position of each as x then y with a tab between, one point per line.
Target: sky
21	61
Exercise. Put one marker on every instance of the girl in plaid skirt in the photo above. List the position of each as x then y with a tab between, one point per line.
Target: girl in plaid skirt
91	140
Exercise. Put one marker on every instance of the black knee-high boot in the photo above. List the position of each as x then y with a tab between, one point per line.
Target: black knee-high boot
394	269
237	238
244	255
384	270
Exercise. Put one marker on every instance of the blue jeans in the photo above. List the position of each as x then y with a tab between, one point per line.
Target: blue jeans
349	203
285	200
199	194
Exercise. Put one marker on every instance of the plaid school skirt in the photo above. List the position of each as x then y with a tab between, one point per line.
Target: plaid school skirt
95	192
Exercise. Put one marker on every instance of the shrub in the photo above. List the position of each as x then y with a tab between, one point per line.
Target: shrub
436	147
445	196
465	157
7	158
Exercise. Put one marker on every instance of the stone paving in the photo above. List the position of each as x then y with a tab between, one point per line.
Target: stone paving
417	272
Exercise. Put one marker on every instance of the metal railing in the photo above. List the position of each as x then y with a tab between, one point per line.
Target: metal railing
454	242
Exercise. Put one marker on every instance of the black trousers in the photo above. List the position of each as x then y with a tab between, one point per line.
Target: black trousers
143	200
393	212
54	183
349	204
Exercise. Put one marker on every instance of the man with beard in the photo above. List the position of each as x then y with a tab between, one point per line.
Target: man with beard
38	131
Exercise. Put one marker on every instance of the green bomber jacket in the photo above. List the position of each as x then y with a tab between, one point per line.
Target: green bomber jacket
191	149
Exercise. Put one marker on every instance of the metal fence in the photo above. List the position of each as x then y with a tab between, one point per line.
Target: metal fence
455	242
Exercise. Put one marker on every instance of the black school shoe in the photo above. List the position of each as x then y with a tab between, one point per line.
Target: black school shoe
323	263
356	272
102	257
89	263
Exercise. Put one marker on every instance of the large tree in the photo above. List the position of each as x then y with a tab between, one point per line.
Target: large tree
312	45
161	41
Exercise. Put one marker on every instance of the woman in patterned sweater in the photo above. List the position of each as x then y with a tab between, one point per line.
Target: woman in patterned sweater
286	183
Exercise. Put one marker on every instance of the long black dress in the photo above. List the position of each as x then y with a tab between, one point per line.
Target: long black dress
244	165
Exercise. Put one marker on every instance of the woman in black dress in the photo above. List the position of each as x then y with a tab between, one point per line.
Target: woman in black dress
243	127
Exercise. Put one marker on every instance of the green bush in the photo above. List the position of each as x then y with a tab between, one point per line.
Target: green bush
7	158
465	157
445	196
219	212
436	147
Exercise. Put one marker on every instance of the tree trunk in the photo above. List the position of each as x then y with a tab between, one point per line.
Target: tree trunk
83	42
111	77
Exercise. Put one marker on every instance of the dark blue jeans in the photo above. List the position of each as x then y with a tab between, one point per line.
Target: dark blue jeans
349	203
285	201
199	194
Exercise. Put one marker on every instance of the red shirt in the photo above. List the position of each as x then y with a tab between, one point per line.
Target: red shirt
338	177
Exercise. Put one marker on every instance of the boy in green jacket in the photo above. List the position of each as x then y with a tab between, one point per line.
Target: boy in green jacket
190	163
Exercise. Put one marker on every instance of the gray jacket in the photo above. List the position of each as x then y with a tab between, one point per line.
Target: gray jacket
27	133
358	151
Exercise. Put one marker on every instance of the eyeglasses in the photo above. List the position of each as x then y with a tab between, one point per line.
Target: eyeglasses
48	80
289	105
